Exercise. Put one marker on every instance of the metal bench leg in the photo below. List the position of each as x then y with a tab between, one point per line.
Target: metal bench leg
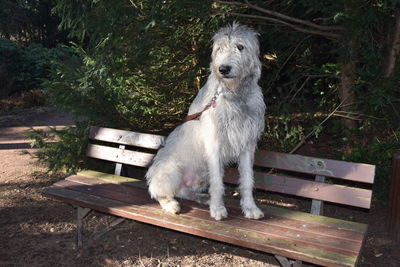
108	228
82	213
285	262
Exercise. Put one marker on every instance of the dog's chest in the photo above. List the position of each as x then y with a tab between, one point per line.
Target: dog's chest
236	125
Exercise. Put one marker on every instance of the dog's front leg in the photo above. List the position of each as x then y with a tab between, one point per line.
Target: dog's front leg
249	208
216	190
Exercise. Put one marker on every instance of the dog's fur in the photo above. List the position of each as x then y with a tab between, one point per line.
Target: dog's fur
196	152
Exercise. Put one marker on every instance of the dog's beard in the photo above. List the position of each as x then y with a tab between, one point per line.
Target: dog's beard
231	83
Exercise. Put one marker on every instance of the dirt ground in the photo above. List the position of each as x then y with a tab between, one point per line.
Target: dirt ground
37	231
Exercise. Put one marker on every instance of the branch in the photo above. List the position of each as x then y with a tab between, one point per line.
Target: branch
315	128
282	16
394	47
297	28
288	58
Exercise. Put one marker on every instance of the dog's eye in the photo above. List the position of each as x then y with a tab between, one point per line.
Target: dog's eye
240	47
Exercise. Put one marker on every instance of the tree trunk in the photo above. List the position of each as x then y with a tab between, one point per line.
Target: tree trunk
394	46
346	93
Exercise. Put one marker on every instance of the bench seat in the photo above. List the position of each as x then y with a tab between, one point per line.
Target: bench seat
303	236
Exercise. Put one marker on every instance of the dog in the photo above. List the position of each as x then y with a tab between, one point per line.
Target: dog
225	121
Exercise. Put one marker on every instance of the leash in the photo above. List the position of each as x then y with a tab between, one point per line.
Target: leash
196	116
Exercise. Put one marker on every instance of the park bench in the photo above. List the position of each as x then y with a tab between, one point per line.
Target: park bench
286	233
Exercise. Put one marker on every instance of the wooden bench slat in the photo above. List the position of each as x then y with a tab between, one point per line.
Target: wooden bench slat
138	196
298	236
271	211
346	195
126	137
112	178
291	162
205	228
308	225
316	166
119	155
305	188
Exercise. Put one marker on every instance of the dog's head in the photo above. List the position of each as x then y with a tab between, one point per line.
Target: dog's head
235	55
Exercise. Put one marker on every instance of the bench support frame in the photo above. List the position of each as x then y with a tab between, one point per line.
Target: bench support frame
317	207
83	212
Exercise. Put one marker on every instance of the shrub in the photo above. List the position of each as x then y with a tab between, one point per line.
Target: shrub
61	150
378	152
27	99
23	68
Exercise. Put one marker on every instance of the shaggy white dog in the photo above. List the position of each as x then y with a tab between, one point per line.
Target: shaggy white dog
230	120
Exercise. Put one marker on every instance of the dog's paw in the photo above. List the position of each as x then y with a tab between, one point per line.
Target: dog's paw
170	205
218	212
252	212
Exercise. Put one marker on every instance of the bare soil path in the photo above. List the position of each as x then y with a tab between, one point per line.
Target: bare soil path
37	231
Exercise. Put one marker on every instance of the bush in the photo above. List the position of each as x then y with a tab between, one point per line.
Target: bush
27	99
23	68
61	150
138	65
378	152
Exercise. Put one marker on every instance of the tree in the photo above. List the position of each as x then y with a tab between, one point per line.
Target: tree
394	45
30	22
138	65
343	22
143	60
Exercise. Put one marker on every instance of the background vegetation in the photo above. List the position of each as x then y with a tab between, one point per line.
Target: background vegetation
329	69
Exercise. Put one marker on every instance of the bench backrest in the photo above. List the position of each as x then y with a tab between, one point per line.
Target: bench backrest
279	172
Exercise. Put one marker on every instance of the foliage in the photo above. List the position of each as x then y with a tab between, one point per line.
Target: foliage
30	22
61	150
28	99
138	64
378	152
21	68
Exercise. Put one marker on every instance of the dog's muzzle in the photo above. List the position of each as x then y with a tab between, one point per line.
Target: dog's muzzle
224	69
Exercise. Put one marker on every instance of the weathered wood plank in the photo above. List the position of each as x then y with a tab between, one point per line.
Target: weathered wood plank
346	195
270	226
271	211
116	179
210	229
126	137
305	188
316	166
118	155
278	230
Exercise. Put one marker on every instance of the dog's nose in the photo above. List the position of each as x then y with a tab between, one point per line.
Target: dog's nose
224	69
